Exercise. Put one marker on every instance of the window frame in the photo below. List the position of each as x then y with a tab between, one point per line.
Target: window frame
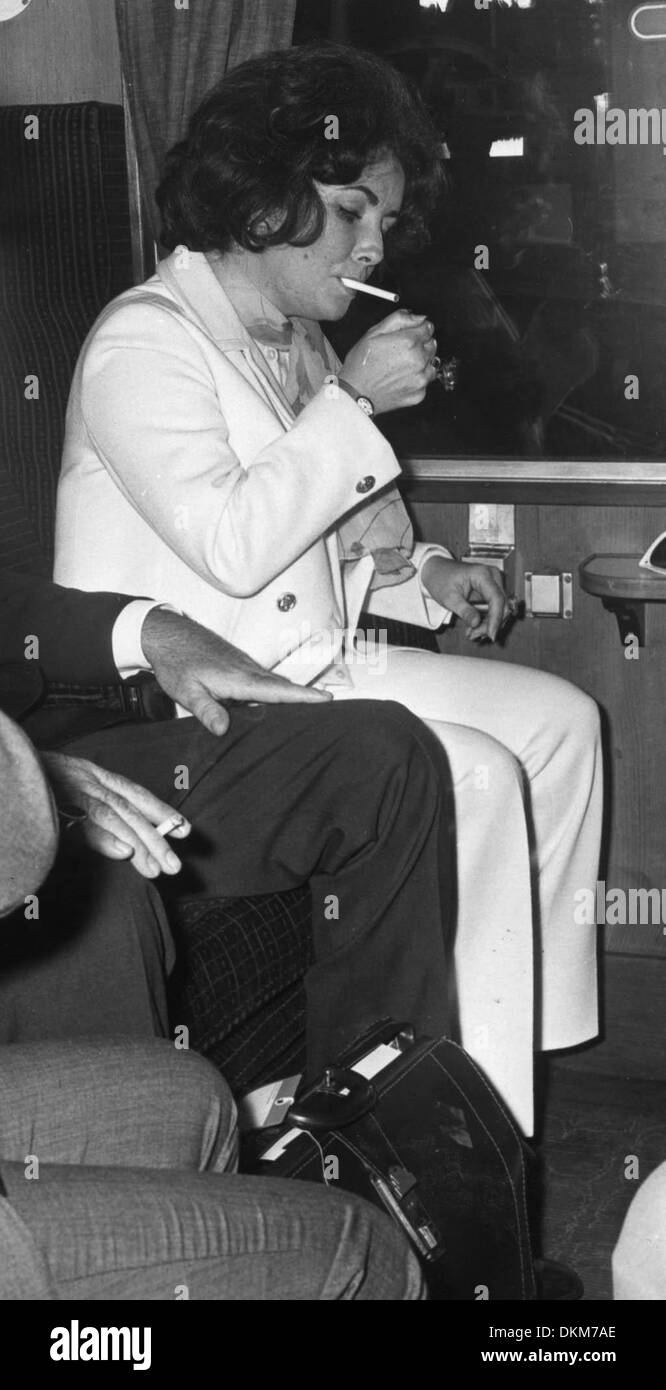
555	481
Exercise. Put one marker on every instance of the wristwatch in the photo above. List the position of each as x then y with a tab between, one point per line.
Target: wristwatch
363	402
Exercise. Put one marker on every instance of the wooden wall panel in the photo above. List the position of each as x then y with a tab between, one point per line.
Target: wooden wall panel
632	1013
588	651
60	50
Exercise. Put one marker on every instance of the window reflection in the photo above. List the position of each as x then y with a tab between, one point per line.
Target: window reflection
559	329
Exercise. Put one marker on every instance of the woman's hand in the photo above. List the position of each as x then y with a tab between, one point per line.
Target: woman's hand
392	363
120	815
458	587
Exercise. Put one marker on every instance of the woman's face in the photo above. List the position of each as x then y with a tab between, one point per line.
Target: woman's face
305	280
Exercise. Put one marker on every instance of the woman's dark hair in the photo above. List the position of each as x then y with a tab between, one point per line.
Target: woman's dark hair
263	135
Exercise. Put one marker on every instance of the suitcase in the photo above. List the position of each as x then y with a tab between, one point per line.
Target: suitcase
415	1127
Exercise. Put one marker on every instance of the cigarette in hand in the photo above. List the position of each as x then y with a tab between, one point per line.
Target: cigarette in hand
370	289
171	825
515	607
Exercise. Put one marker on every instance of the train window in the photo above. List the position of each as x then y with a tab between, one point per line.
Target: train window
546	276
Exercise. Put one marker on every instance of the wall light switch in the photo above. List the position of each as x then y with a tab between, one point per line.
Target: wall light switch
548	595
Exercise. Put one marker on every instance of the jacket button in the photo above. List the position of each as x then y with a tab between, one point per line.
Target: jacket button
366	484
286	602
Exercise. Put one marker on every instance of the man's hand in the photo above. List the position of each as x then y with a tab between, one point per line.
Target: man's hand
197	669
120	816
458	587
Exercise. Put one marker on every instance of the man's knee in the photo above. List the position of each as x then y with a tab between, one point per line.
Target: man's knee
145	916
371	1259
389	1269
199	1090
165	1080
390	740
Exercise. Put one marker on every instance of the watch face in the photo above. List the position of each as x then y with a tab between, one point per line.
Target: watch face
365	405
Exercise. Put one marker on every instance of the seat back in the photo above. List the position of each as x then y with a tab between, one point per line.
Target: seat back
65	251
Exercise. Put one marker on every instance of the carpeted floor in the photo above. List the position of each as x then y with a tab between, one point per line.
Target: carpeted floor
593	1125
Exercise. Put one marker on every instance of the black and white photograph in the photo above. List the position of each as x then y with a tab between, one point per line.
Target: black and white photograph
332	668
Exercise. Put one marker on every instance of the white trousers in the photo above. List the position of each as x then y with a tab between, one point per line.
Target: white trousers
525	756
639	1258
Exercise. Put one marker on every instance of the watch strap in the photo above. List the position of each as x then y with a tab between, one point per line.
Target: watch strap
356	395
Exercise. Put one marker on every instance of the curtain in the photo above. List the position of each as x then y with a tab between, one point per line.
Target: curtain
172	52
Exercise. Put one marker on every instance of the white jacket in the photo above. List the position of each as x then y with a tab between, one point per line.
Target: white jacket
186	477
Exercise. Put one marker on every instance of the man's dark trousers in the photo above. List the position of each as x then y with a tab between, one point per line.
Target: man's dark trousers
354	798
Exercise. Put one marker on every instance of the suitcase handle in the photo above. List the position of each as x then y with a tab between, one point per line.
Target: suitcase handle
341	1097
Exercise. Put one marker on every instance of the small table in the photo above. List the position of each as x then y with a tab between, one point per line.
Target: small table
624	589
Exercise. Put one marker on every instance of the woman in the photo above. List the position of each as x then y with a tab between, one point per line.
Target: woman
216	456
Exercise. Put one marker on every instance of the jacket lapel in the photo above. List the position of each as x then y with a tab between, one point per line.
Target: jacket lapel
189	278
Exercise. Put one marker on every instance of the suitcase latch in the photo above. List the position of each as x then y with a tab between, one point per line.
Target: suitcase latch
401	1199
401	1180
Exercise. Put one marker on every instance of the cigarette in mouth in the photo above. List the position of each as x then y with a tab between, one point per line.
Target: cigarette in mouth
169	825
370	289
